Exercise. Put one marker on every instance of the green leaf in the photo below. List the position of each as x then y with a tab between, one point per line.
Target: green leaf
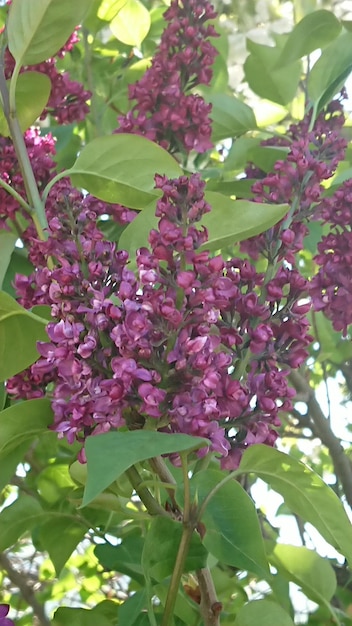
307	569
121	168
131	24
125	558
32	94
17	519
23	421
233	532
315	30
265	157
279	85
304	492
38	29
19	332
231	221
161	547
19	264
7	245
262	612
54	481
67	616
228	222
60	537
111	454
231	117
131	609
329	73
109	8
10	461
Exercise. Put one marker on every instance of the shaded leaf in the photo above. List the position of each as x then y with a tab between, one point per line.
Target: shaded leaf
131	609
60	537
7	245
304	492
18	518
10	461
315	30
233	532
279	85
101	615
121	168
262	612
23	421
110	454
125	558
230	116
161	547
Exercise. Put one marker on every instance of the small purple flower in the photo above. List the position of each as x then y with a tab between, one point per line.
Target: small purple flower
5	621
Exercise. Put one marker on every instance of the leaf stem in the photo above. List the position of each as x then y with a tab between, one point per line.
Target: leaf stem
153	507
21	201
177	573
22	155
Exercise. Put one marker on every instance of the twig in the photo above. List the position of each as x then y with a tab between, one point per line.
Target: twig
20	580
209	605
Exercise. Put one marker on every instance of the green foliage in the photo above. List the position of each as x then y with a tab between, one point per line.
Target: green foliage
315	30
264	612
33	31
19	332
132	23
267	78
120	450
32	94
7	245
233	533
121	168
305	493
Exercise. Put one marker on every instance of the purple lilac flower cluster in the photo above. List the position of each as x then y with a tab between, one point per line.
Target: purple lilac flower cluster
68	100
166	110
168	347
313	157
331	287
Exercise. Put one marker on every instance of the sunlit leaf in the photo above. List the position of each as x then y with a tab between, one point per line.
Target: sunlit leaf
307	569
19	332
121	168
304	492
132	23
39	28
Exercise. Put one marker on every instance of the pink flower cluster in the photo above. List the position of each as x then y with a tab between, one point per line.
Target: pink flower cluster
168	347
166	110
68	100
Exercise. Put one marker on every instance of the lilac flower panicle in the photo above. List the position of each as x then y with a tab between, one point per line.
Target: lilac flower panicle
166	110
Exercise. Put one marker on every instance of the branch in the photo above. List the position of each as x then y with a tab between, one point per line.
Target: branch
321	428
20	580
209	604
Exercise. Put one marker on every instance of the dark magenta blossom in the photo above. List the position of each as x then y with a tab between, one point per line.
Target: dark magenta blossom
166	110
5	621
